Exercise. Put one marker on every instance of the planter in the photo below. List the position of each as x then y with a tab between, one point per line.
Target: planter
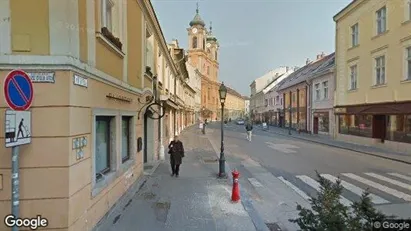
110	37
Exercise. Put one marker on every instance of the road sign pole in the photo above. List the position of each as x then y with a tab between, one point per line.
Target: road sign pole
15	184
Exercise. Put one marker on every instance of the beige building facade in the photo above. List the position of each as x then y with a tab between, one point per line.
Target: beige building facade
104	57
373	73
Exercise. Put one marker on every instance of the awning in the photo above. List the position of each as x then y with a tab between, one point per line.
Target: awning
170	103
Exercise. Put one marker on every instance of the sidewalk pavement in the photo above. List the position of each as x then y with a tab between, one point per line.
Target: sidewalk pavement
196	201
329	141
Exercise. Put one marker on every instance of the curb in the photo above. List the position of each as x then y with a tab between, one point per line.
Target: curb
345	148
247	203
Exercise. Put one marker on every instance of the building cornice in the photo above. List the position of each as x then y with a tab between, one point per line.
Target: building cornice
152	19
346	10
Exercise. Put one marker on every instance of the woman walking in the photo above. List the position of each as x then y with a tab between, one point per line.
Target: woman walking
176	151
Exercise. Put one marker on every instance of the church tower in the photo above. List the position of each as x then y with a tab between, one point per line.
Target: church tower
202	47
203	55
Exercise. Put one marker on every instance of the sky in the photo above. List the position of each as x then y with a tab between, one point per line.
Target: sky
256	36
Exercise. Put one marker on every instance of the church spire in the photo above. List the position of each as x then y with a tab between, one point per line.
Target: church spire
197	11
197	19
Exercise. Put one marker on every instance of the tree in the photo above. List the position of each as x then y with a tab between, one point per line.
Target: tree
328	214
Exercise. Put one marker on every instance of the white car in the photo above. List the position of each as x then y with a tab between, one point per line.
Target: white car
240	122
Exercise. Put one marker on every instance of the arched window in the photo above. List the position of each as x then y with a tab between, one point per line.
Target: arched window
204	44
216	56
194	42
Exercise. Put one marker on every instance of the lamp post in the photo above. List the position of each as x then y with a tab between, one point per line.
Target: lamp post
289	125
223	93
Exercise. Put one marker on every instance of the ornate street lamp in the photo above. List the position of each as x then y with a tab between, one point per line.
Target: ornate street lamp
223	93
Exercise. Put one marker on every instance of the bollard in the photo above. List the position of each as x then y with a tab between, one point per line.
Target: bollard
235	196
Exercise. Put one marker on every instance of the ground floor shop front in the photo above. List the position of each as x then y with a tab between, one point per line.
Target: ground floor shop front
385	125
86	150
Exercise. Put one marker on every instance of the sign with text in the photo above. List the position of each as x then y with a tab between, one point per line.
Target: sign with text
42	77
80	81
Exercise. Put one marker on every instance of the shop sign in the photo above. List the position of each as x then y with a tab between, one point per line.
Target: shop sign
340	110
41	77
119	97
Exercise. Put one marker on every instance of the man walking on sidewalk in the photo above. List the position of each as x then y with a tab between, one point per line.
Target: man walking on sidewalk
176	151
249	128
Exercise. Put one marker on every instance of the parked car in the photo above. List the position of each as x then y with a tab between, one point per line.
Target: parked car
240	122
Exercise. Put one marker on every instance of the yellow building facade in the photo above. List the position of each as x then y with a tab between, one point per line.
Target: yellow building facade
93	66
373	73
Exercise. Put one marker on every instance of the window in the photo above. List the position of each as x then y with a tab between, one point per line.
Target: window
277	99
399	128
194	42
380	70
353	77
408	63
317	92
325	89
208	70
409	10
354	35
125	138
103	145
107	14
381	20
357	125
266	102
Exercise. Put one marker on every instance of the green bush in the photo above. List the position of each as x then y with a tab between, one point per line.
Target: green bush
328	214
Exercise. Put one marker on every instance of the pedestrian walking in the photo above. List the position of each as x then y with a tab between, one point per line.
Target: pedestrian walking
249	129
176	151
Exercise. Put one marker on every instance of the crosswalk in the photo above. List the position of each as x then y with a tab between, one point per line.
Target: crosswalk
384	188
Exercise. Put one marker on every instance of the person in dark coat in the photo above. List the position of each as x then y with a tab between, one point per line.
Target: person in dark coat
176	151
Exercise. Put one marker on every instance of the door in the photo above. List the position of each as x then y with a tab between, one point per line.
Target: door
379	127
315	124
148	138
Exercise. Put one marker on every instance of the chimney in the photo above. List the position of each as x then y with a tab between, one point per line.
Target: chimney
307	61
320	56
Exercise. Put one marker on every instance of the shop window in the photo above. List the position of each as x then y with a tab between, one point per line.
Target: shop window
357	125
323	122
399	128
103	145
125	138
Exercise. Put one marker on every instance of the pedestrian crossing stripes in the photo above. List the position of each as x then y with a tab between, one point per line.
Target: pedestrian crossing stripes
385	188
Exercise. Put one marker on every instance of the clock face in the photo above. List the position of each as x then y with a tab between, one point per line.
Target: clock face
194	30
208	45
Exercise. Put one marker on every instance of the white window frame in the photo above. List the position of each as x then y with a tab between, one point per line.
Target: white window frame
380	71
381	20
353	80
354	35
408	63
107	7
407	10
325	89
317	91
150	49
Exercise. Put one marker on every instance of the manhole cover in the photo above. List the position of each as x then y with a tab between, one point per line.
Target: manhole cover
162	205
273	227
148	195
210	160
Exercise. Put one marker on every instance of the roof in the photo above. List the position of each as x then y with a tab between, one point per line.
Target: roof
303	73
197	20
233	92
325	68
345	8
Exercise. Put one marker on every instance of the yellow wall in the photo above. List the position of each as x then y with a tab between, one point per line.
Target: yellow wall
391	44
82	14
30	27
134	14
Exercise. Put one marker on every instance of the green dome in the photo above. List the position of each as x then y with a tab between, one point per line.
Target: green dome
197	20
